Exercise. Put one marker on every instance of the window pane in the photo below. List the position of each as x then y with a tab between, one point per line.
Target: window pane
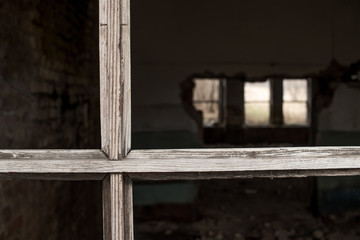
257	91
210	112
295	90
206	98
206	89
295	113
295	99
257	113
257	103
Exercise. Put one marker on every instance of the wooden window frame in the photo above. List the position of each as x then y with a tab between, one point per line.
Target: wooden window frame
116	165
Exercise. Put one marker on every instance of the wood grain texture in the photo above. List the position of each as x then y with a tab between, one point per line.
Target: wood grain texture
54	176
51	155
115	87
244	159
104	80
216	162
117	207
242	174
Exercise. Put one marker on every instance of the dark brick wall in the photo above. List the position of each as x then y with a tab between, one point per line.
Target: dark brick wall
48	74
49	99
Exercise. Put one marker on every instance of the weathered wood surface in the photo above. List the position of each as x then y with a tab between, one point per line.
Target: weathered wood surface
104	78
29	164
115	90
217	162
242	174
244	159
117	207
51	155
53	176
115	87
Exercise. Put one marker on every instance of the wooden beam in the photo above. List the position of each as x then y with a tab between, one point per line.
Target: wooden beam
242	159
54	176
12	159
242	174
115	88
114	34
104	78
117	207
216	162
49	155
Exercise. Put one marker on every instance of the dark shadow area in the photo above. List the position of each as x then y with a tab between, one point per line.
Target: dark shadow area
49	98
243	209
242	44
49	83
33	209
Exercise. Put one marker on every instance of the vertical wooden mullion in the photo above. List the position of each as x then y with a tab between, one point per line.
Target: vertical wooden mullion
311	110
115	77
117	207
114	51
128	209
125	68
104	74
276	105
235	104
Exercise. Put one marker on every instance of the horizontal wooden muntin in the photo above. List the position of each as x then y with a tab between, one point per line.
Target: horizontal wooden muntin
182	164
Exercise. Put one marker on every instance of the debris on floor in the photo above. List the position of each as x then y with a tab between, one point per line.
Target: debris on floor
251	209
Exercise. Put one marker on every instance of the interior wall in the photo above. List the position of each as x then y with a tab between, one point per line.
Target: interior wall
337	117
49	74
49	98
173	39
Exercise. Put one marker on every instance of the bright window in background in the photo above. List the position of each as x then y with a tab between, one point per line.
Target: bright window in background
257	103
295	101
208	98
